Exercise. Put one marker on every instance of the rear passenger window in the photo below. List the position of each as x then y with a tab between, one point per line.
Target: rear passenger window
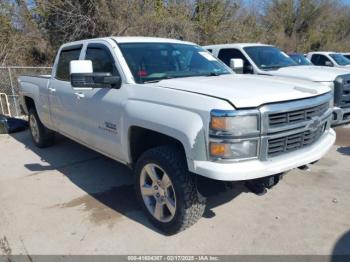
66	55
102	60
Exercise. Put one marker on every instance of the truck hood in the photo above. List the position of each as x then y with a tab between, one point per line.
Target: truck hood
244	91
313	73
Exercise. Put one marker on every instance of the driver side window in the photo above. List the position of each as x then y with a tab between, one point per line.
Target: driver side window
102	59
225	55
320	60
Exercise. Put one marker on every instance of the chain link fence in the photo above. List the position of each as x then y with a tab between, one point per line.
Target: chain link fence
9	103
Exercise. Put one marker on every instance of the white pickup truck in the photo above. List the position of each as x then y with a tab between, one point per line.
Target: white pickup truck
171	111
268	60
330	59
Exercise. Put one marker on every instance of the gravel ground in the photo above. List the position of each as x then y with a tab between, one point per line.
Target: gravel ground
68	199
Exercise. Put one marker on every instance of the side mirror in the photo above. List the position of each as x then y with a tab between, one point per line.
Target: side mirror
82	75
236	65
328	63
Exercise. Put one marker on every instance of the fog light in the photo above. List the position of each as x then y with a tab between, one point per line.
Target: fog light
235	150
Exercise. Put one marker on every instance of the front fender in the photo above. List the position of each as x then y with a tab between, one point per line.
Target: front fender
181	124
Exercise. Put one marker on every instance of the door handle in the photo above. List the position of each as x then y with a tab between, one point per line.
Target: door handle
52	90
79	95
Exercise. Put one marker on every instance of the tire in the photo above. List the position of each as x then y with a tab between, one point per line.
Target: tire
182	196
42	136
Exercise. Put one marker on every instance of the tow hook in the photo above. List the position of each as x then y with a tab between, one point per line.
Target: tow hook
259	186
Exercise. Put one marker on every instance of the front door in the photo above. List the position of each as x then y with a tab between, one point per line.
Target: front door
100	109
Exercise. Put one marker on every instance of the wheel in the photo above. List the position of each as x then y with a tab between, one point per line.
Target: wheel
42	136
167	190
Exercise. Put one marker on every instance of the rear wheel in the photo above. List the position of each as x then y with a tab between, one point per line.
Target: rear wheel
167	190
42	136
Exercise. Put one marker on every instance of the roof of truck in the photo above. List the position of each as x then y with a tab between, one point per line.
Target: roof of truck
133	39
322	52
236	45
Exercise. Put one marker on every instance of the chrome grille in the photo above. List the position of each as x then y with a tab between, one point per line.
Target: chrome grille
278	146
342	91
345	98
296	116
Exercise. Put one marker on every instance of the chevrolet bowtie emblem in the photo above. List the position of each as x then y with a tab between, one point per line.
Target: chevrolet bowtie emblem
314	124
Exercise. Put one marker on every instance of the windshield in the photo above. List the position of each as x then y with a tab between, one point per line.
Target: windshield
269	57
152	62
340	59
300	59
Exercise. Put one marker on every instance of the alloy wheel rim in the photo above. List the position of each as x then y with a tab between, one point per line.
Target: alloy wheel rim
158	192
34	128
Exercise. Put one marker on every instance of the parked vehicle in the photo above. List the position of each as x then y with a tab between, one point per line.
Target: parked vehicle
331	59
174	113
300	59
268	60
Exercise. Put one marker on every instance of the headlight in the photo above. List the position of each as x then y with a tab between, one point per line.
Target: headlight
234	150
331	86
234	123
234	134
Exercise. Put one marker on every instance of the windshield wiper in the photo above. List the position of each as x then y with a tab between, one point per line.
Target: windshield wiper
181	76
213	74
158	80
271	67
152	81
216	74
169	77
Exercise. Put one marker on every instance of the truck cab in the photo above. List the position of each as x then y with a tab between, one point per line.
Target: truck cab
261	59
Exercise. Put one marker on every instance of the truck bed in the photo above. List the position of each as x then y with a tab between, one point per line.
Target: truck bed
30	82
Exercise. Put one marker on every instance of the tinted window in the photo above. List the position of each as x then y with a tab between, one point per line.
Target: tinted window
225	55
102	60
157	61
347	56
269	57
319	60
210	50
62	72
300	59
340	59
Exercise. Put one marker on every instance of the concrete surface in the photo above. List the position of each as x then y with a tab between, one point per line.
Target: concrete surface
70	200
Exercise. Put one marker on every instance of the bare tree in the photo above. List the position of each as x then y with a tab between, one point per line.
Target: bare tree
42	26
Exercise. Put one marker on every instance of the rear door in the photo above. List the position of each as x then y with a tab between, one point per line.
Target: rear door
63	99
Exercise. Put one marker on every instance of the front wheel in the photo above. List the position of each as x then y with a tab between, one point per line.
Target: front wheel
167	190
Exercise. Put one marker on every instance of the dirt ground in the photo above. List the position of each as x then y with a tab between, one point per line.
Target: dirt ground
68	199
